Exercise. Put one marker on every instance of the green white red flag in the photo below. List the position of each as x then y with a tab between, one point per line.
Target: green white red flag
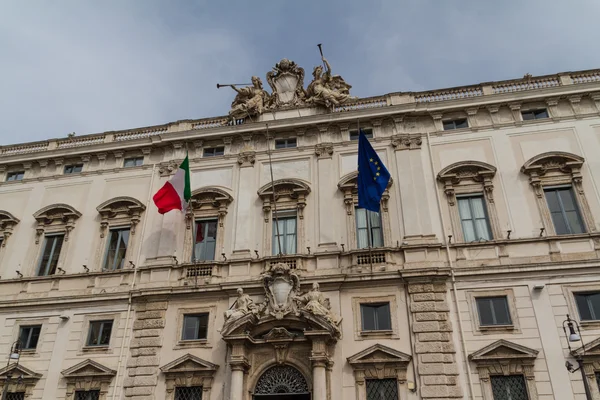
177	192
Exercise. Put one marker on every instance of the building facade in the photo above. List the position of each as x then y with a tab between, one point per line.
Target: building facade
486	240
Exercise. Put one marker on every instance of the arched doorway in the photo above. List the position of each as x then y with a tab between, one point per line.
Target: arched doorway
282	382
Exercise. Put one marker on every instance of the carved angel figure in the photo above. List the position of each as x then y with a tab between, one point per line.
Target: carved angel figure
327	89
242	306
250	100
315	303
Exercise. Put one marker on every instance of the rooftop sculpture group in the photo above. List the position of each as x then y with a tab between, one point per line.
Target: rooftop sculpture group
287	83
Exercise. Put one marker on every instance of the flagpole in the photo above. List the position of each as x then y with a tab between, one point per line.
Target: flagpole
367	214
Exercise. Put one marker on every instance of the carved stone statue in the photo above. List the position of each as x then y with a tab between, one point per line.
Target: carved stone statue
250	100
315	303
242	306
287	82
327	89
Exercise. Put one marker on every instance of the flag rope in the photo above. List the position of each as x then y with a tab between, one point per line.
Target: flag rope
368	217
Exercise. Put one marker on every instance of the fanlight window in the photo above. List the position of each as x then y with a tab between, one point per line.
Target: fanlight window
281	380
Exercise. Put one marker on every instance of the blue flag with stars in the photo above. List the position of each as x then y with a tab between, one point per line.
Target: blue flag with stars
373	176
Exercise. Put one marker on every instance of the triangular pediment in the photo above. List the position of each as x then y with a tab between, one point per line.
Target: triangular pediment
20	371
588	350
189	363
503	350
378	354
88	368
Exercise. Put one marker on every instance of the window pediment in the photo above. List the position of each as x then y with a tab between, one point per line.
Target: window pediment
19	370
289	193
123	209
56	217
379	362
187	371
348	185
551	163
7	222
189	363
502	350
26	381
592	349
207	201
466	171
88	368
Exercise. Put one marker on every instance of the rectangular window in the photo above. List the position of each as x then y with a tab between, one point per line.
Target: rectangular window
535	114
73	169
1	240
15	176
456	124
382	389
564	211
195	326
133	162
99	334
368	228
50	254
205	241
509	387
29	336
376	317
588	305
474	218
367	131
15	396
285	143
214	151
493	311
285	236
87	395
118	240
188	393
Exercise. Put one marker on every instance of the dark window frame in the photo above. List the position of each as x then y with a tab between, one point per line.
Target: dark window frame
283	235
389	385
500	382
594	315
119	231
202	329
26	345
213	151
459	123
531	115
470	198
15	176
15	396
371	230
286	143
377	325
136	161
494	312
353	133
188	392
195	251
93	394
562	211
101	332
51	266
72	169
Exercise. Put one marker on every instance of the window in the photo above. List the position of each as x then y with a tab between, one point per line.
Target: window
588	305
456	124
1	240
87	395
284	234
564	211
99	334
73	169
133	162
15	396
50	254
382	389
474	218
598	379
534	114
285	143
509	387
205	240
29	336
188	393
368	229
376	317
117	248
493	311
15	176
195	326
214	151
368	133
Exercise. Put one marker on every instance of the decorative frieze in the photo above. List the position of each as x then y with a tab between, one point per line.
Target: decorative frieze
407	142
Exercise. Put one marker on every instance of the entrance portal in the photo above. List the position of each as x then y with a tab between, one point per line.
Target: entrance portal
282	382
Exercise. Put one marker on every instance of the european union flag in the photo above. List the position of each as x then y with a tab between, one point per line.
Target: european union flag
373	176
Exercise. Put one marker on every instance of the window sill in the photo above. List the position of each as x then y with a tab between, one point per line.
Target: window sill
28	352
96	349
497	328
383	334
186	344
590	324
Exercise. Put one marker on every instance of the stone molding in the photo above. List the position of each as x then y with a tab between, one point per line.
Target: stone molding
246	159
558	168
324	150
55	218
26	381
88	375
120	211
189	370
407	141
7	223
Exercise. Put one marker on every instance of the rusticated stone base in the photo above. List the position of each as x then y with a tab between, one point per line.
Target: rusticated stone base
434	349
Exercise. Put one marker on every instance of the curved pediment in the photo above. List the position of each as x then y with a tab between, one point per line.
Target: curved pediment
558	161
291	187
121	204
464	170
350	181
7	218
56	211
294	326
211	195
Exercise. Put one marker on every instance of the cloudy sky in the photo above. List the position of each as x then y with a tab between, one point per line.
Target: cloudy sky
94	66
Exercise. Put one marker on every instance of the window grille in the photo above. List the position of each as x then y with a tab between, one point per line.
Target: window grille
376	257
382	389
188	393
281	380
87	395
510	387
15	396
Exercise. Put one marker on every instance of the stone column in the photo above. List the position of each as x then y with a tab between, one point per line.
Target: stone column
319	358
237	382
327	186
434	349
319	379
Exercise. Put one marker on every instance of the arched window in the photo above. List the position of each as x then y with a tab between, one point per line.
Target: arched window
281	379
558	186
205	222
364	228
119	218
55	223
469	190
290	196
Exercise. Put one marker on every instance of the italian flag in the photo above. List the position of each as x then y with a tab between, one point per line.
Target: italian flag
176	193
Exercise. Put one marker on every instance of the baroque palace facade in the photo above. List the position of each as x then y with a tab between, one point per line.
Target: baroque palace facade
488	236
